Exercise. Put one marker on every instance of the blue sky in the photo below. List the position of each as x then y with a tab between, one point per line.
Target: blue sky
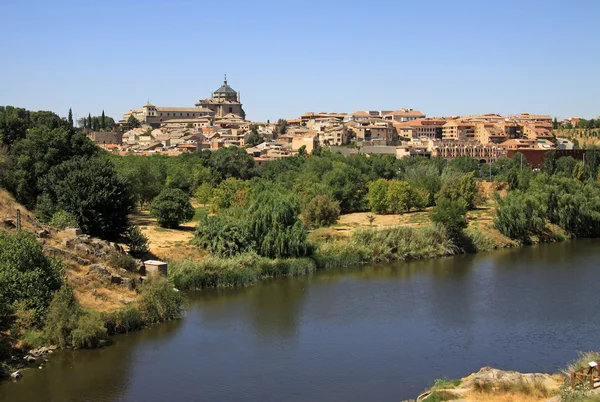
289	57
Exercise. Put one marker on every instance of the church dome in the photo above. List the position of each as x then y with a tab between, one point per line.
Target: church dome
225	88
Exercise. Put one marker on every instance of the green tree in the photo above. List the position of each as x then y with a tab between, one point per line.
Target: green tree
322	210
137	242
203	193
33	157
90	190
70	118
275	226
227	193
171	208
452	214
132	122
520	215
26	275
281	126
232	162
89	121
254	139
456	185
399	196
103	121
348	186
378	200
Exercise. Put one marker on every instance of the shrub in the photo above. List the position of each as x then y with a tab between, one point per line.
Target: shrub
32	339
223	237
26	275
322	210
89	332
124	321
452	214
159	302
171	208
137	242
378	201
456	185
62	220
124	261
62	317
520	215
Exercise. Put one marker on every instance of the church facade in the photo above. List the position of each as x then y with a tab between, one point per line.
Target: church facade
224	105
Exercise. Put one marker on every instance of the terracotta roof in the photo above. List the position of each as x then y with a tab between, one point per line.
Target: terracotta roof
405	112
361	113
184	109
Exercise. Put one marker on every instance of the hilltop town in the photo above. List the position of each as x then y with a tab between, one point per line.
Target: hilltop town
220	121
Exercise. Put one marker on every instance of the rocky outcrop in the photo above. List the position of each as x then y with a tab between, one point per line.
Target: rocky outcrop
94	247
59	252
100	270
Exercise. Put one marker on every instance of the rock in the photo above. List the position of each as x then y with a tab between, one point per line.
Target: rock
116	279
43	233
29	359
72	231
16	376
124	301
83	248
9	223
128	283
99	269
140	268
496	376
59	252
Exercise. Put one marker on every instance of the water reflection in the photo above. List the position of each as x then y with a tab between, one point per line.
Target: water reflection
369	332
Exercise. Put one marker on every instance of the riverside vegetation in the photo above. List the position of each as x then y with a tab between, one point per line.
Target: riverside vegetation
264	221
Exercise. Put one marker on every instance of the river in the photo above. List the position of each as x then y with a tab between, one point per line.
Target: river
368	333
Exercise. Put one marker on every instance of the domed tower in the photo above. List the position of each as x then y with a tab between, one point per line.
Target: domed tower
226	93
225	102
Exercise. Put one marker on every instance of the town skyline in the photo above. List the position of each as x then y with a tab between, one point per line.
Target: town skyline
285	60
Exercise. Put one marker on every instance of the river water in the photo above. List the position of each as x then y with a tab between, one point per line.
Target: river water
368	333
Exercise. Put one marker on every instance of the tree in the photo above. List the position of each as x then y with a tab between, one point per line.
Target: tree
254	139
347	185
456	186
203	193
378	200
90	190
232	162
103	121
34	156
452	214
302	151
137	242
70	118
132	122
281	126
26	275
322	210
171	208
89	121
555	123
520	215
399	196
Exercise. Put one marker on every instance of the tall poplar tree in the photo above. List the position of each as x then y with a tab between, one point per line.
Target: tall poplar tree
70	117
103	121
89	122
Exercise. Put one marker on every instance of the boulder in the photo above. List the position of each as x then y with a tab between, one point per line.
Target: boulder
116	279
100	270
16	376
29	359
128	283
42	233
59	252
83	248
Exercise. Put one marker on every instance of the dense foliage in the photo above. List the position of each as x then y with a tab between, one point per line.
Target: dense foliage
26	275
322	210
171	208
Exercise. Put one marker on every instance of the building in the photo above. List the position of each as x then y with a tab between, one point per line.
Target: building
421	128
404	115
451	149
106	137
310	141
374	131
223	105
225	101
458	129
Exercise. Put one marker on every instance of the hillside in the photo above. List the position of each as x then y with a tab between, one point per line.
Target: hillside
96	284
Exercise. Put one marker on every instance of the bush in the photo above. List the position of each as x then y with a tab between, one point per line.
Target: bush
456	185
124	321
159	302
520	215
62	220
451	214
171	208
137	242
322	210
62	317
89	333
124	261
26	275
223	237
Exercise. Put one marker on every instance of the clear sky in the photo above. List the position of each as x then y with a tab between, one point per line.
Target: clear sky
288	57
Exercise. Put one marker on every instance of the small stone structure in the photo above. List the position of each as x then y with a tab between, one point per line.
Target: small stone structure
154	267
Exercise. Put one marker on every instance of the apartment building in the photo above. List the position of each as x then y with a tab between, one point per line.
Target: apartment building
458	129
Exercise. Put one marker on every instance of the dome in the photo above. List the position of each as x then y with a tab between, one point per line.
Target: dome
225	88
